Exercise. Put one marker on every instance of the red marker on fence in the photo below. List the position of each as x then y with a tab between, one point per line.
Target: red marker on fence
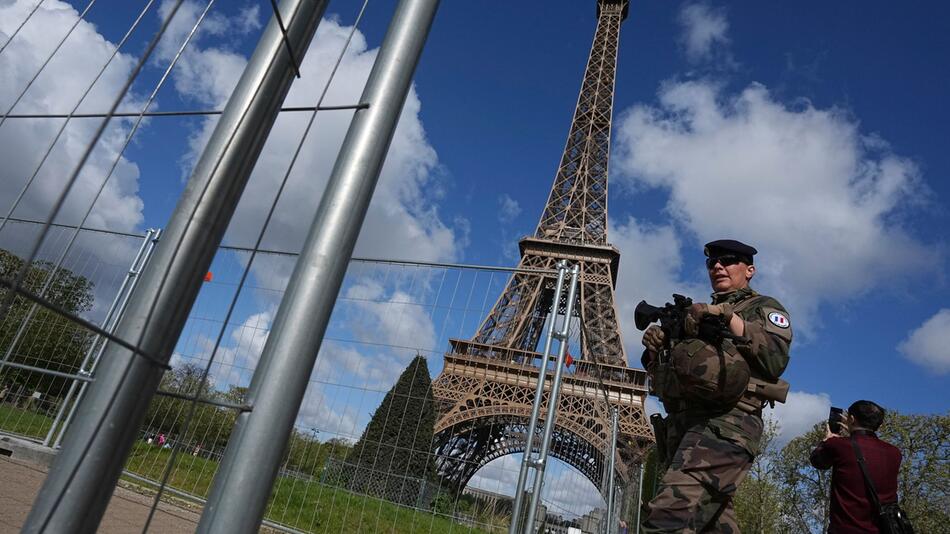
208	276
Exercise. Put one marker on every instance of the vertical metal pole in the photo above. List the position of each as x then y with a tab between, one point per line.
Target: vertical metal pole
614	423
108	324
541	463
83	476
639	497
527	458
242	485
153	242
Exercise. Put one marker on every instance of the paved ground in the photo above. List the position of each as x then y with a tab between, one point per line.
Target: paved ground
20	482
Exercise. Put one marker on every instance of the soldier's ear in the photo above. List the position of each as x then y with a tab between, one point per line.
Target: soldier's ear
749	272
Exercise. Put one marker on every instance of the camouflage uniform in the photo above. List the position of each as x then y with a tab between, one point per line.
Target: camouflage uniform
712	447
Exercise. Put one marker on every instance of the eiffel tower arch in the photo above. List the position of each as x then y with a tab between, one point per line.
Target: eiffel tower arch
486	388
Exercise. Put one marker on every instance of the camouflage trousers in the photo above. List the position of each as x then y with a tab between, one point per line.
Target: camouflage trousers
695	494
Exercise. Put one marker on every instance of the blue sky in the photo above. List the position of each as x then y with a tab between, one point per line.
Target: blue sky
814	131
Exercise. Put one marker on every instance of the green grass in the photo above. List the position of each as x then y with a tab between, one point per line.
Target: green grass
304	505
24	422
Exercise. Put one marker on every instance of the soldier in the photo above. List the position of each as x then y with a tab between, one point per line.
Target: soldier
711	434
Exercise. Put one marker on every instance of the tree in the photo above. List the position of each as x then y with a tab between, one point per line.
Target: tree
395	445
758	501
924	480
805	488
651	480
210	426
50	340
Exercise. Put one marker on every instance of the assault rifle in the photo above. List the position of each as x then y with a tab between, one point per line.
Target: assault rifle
672	318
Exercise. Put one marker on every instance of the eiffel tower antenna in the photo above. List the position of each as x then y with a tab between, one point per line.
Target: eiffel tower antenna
484	392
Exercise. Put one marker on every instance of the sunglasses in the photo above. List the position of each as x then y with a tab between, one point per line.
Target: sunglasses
724	260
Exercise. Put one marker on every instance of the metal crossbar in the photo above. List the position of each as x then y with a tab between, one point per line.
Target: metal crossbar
11	286
178	113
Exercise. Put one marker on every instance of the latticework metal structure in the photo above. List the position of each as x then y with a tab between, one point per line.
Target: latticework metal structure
486	388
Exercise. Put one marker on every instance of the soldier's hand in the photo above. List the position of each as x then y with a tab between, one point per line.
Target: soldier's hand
699	310
653	338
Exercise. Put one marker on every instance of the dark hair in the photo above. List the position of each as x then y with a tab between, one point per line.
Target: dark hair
867	414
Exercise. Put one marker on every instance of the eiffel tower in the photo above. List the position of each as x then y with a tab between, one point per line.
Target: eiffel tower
485	390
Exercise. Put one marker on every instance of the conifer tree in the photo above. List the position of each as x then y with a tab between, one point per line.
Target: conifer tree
395	444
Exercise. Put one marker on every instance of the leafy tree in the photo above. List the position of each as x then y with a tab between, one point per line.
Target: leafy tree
806	489
50	340
307	455
758	501
211	425
396	442
924	480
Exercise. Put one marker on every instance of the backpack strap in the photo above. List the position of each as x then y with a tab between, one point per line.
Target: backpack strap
745	303
869	484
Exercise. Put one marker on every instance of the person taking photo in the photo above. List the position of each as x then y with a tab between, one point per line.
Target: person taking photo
852	506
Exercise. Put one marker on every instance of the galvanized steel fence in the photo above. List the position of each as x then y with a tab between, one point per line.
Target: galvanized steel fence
388	313
359	455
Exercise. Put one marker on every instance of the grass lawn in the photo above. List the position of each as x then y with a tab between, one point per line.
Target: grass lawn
24	422
304	505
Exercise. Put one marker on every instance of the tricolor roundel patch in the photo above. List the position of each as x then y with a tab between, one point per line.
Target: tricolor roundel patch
779	320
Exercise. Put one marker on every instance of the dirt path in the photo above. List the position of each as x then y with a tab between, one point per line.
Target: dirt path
20	482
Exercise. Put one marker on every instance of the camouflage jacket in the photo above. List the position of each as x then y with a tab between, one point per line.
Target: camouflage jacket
764	345
768	331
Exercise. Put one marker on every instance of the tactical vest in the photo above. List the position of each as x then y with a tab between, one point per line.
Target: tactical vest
696	372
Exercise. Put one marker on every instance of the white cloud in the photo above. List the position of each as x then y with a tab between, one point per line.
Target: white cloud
653	406
390	317
499	475
568	493
508	208
333	415
204	75
798	414
23	142
403	220
820	200
565	491
703	28
929	345
650	264
236	360
57	90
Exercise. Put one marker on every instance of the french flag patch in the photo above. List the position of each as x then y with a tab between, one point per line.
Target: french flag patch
778	320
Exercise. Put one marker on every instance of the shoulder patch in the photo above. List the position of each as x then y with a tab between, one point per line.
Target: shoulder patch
779	319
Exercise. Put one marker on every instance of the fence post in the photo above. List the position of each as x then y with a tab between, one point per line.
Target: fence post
242	485
614	422
83	476
527	457
639	496
109	322
542	461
